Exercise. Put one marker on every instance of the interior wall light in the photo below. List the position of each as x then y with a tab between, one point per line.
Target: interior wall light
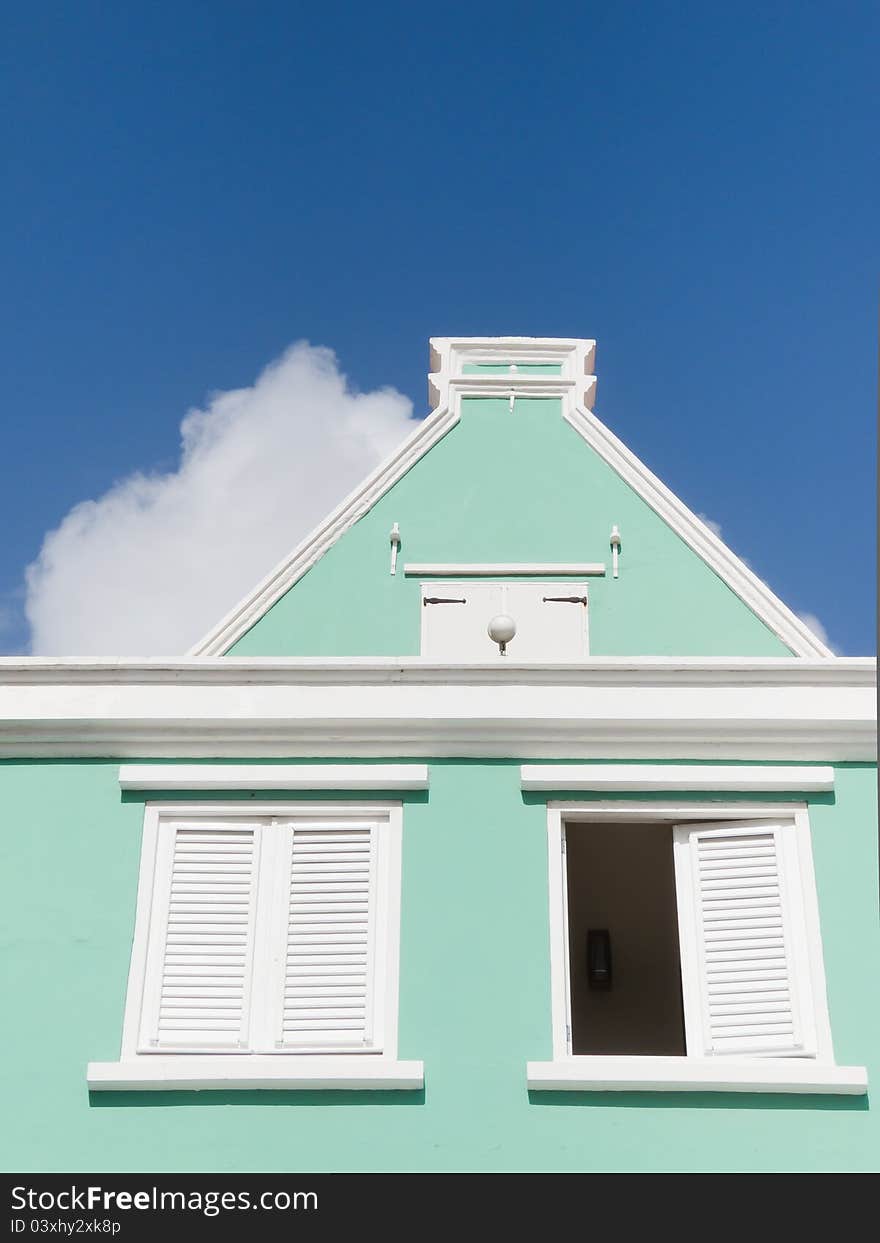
599	958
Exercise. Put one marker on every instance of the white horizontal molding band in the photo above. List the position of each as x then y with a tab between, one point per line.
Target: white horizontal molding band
781	711
273	776
672	672
519	384
429	738
719	777
286	1073
504	570
686	1074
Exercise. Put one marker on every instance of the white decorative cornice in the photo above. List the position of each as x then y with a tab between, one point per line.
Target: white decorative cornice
448	382
671	671
674	671
510	569
789	710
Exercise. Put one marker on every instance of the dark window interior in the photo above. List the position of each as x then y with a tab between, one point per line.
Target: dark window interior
626	986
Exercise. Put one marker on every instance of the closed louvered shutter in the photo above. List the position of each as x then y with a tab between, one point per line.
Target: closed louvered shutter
329	947
201	950
745	975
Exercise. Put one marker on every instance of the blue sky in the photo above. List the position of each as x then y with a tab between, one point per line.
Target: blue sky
190	188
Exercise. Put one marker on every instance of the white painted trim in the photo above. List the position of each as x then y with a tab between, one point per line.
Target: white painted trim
137	971
686	1074
523	569
479	737
602	811
721	777
559	990
273	776
575	357
813	947
763	602
281	1072
778	711
290	570
671	671
648	1070
577	392
388	929
569	392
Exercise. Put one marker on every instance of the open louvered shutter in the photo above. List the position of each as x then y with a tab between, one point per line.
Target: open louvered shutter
328	968
745	976
201	948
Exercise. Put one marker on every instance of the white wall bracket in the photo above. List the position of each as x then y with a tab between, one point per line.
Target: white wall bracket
395	546
615	551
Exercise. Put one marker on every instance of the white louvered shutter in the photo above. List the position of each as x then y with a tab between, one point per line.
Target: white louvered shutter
745	972
201	950
328	968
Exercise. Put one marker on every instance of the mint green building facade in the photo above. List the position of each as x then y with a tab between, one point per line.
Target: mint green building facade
692	667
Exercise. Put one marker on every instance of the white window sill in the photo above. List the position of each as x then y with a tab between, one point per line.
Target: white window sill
685	1074
185	1072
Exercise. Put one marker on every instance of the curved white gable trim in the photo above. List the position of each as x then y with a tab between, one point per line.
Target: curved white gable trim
257	603
763	602
447	386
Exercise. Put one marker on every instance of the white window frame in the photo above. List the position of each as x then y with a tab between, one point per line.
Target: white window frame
692	1072
376	1066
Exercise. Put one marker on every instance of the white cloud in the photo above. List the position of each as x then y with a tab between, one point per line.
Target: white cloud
152	564
714	527
811	621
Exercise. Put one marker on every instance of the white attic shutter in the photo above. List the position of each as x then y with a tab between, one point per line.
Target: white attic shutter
745	974
455	617
329	946
197	991
551	620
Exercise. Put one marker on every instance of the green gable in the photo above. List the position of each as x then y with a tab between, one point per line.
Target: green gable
520	487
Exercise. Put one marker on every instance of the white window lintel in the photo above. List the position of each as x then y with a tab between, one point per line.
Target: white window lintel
726	778
273	776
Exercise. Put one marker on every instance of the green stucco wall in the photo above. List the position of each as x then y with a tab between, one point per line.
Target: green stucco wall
474	1005
504	487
